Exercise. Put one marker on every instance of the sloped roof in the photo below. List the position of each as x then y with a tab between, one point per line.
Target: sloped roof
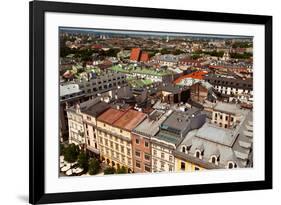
130	120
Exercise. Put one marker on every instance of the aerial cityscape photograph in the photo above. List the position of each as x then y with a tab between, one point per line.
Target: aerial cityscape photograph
150	102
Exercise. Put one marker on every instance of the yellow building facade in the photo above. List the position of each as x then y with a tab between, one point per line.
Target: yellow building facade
115	145
114	129
182	165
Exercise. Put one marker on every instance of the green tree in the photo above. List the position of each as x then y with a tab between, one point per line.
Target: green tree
62	148
109	170
83	161
94	166
71	153
122	170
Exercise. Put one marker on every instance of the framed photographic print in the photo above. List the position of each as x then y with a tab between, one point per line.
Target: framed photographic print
130	102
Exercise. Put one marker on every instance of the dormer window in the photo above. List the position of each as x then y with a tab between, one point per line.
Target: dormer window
231	165
183	149
213	159
198	154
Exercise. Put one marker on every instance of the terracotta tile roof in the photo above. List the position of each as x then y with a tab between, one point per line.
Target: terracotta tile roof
135	54
111	115
144	57
130	120
195	75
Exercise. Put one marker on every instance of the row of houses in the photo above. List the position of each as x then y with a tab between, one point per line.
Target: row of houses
165	139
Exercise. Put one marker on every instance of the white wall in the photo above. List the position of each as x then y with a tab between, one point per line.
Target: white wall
14	72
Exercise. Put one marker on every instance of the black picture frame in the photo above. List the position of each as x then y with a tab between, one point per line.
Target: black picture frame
37	9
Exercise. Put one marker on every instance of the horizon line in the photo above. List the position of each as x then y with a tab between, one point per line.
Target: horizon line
154	33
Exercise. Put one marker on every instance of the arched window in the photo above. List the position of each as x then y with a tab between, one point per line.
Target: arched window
213	159
197	154
183	149
230	165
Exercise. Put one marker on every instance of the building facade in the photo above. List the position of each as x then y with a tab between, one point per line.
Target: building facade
214	147
105	82
70	95
114	135
141	140
226	115
90	111
171	133
229	86
76	127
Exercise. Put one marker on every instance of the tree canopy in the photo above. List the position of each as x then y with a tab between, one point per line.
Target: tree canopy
94	166
109	170
71	153
83	161
122	170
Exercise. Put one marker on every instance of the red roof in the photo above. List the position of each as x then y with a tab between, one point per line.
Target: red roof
144	57
124	119
111	115
96	46
130	120
195	75
135	54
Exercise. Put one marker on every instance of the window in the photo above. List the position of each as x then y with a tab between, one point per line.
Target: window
146	144
226	117
213	159
137	141
183	166
162	165
170	158
183	149
231	119
116	146
122	149
104	125
162	155
137	153
138	164
196	169
225	126
128	151
111	144
146	157
221	117
230	165
197	154
88	118
155	162
154	152
170	168
147	168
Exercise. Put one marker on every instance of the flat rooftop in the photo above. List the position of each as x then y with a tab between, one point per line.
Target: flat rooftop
180	120
69	89
150	126
228	108
95	109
